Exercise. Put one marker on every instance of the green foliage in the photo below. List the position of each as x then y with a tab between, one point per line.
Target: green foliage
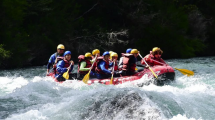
31	29
4	53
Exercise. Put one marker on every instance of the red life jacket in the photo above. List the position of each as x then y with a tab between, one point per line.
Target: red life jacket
127	63
88	64
96	62
55	64
116	66
99	70
67	64
152	63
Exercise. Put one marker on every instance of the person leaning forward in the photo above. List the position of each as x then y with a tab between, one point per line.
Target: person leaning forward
153	56
84	65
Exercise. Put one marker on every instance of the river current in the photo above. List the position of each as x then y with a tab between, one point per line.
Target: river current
26	94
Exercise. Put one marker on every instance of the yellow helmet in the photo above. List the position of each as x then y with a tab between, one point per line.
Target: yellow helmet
111	52
88	54
60	46
133	51
157	49
96	51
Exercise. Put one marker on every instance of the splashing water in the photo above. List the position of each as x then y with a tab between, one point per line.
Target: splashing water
25	94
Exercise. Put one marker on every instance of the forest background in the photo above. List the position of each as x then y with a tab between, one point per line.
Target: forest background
32	29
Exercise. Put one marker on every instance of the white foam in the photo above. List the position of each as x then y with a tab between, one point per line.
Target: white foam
182	117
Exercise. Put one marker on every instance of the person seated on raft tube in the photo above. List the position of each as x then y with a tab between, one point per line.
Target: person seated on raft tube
95	53
63	65
103	65
114	57
155	55
121	59
84	65
129	62
53	58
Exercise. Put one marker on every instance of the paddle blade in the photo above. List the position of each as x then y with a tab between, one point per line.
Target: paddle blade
136	69
86	78
66	75
111	80
153	72
186	72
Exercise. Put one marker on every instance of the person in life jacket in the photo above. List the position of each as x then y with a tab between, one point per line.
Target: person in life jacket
53	58
95	53
117	70
155	55
121	59
84	65
103	65
114	56
129	62
63	66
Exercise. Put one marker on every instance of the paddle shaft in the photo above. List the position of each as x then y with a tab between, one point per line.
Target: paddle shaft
148	66
93	64
183	71
112	73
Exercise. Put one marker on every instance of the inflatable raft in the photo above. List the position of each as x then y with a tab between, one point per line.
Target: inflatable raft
165	74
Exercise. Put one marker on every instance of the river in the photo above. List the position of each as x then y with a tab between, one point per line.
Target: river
25	94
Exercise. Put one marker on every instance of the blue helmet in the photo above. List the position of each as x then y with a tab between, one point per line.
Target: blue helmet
66	53
106	53
128	50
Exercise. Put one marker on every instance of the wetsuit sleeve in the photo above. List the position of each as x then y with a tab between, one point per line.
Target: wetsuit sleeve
51	61
111	64
102	66
60	67
83	65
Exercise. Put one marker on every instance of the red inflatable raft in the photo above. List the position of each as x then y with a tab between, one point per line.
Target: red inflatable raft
165	74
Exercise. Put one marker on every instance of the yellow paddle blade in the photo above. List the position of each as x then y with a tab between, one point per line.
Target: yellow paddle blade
111	80
185	72
153	72
136	69
86	78
66	75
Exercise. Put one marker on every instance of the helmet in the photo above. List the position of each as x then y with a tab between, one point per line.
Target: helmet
157	49
133	51
66	53
60	46
88	54
128	50
96	51
106	53
113	54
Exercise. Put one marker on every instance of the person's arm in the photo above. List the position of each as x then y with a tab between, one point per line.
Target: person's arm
50	62
102	66
120	61
162	61
60	67
82	66
111	64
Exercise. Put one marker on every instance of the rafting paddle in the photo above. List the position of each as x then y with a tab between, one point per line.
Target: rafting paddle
111	80
149	66
66	74
183	71
87	76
